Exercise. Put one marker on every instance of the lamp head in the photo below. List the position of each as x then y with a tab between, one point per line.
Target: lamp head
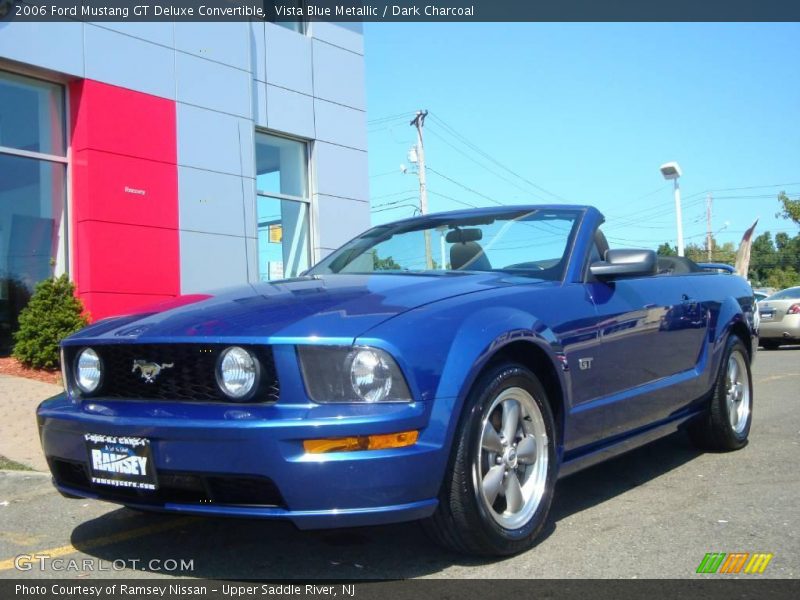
671	170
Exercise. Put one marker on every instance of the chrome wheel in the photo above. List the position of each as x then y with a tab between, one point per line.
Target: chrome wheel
513	458
737	393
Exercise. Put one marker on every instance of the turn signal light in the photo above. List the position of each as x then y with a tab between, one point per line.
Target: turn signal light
362	442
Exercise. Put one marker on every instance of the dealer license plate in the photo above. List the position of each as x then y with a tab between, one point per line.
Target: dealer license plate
767	316
121	461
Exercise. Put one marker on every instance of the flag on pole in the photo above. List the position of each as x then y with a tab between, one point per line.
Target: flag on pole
743	254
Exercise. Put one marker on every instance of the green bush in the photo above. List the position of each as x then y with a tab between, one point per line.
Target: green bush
52	314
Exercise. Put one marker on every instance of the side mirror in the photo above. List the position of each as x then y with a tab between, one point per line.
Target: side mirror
625	263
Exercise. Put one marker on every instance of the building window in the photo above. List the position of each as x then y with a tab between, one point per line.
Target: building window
33	169
296	6
282	206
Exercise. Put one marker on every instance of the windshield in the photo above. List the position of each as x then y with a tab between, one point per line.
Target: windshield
526	241
787	294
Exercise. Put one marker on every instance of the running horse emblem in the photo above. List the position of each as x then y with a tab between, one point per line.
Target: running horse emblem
149	370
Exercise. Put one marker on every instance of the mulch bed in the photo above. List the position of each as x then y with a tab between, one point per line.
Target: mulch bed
11	366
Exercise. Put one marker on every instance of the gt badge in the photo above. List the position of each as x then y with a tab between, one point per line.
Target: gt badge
585	363
149	370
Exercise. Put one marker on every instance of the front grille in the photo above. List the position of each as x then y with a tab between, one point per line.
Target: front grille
176	487
191	377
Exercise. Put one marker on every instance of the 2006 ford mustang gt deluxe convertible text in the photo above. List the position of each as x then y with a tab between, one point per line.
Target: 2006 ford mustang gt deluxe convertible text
447	368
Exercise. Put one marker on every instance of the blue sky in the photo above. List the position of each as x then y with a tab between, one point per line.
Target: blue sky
588	112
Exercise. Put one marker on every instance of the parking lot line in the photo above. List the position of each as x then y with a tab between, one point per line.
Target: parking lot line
105	540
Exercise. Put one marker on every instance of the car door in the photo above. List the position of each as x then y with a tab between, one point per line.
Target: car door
652	331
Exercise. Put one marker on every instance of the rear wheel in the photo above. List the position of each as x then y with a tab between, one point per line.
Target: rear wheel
499	485
726	425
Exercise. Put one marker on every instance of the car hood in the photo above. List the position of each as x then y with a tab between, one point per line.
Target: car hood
330	306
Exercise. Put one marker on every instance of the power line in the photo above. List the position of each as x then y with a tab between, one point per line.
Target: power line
652	212
414	206
490	158
406	199
456	200
477	162
660	209
752	187
752	197
392	194
636	217
396	117
640	198
461	185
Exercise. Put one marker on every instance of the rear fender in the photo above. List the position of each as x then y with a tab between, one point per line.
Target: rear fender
731	320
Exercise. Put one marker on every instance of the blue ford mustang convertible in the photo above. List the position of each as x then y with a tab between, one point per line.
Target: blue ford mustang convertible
447	368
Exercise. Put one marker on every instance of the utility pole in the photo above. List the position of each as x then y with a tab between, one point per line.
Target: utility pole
679	216
419	122
709	238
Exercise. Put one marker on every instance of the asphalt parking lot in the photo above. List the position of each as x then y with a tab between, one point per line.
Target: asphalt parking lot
652	513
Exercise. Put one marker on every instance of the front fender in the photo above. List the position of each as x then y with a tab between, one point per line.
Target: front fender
443	352
482	336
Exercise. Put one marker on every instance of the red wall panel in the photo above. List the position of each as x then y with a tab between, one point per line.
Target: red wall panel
123	189
114	119
127	259
125	241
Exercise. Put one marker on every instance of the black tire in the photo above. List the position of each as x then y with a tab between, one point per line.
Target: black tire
462	521
770	344
715	429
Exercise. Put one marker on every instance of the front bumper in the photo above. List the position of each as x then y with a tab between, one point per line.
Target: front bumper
258	450
788	329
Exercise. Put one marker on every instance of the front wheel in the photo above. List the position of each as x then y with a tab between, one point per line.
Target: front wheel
499	485
726	424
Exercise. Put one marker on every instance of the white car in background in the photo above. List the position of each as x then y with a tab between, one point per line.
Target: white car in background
780	318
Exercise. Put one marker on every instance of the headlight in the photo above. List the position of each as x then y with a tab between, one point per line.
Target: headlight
351	374
237	372
370	375
88	370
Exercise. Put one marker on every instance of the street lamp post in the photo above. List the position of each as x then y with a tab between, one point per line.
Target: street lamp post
672	170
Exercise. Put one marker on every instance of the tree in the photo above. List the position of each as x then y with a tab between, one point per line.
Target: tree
52	314
726	253
782	241
790	208
782	277
666	250
384	264
763	258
